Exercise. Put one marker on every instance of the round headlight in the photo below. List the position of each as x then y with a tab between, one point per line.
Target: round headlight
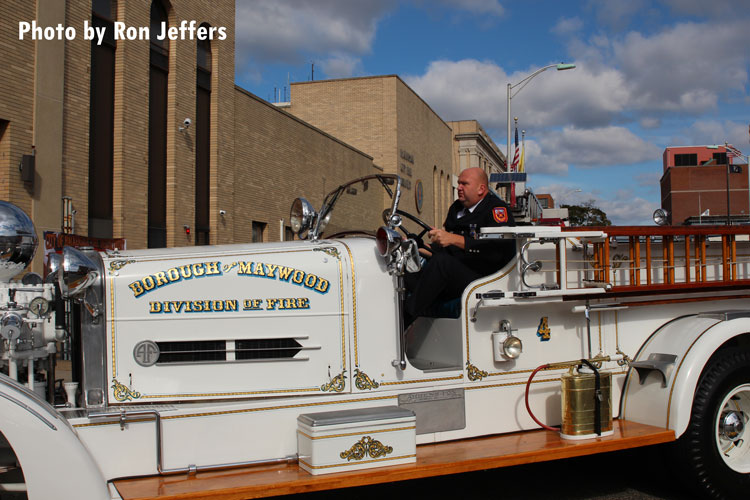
512	347
660	216
301	216
18	240
78	272
387	240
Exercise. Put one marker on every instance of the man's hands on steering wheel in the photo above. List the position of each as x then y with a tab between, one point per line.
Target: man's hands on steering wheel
419	238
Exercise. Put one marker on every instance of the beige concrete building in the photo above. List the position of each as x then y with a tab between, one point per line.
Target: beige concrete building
473	147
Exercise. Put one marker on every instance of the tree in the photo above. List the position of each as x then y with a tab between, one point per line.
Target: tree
586	214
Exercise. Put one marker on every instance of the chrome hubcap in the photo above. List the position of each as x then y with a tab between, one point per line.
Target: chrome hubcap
730	422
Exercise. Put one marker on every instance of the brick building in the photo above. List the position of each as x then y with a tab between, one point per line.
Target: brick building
386	119
142	139
695	181
106	125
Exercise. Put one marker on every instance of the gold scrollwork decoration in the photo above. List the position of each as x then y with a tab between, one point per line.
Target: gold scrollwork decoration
363	382
475	373
337	384
366	446
122	393
116	265
228	267
332	251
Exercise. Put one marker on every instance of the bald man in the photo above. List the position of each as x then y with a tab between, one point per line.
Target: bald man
458	256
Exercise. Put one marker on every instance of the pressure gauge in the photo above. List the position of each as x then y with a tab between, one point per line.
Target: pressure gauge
39	306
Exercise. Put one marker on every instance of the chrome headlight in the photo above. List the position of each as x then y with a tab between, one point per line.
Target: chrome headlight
387	240
301	217
18	240
660	216
512	347
78	272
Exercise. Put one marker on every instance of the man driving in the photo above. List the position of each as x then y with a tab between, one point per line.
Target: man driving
458	256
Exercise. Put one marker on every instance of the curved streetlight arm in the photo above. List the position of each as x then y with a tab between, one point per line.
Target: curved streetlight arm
521	85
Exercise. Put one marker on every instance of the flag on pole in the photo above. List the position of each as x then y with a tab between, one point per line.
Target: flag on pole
516	154
733	152
522	161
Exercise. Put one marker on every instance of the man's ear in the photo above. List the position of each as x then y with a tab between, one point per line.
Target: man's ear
483	189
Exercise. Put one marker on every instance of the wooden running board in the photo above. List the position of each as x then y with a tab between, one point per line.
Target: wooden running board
432	460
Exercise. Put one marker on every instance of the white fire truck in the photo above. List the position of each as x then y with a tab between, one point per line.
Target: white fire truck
290	360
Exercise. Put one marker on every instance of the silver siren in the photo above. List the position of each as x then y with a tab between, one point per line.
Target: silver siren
18	241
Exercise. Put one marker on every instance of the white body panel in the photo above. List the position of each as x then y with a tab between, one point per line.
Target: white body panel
55	463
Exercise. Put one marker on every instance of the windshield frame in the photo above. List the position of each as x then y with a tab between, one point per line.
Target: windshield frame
385	180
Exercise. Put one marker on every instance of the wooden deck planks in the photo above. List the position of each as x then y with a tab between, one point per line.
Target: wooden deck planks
432	460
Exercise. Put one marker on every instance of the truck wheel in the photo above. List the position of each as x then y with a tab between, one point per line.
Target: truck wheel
715	449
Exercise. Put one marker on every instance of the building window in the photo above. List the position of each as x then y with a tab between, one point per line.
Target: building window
101	121
686	160
720	159
203	141
259	231
157	130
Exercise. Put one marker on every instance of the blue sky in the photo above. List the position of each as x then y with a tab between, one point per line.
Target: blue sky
650	74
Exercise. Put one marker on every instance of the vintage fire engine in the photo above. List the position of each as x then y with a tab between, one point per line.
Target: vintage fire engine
186	360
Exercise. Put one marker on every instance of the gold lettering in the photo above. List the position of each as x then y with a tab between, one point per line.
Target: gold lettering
271	303
258	269
173	274
244	268
303	303
213	268
197	306
217	305
137	288
230	305
310	280
148	283
298	276
285	272
161	278
198	270
271	269
322	285
185	272
155	307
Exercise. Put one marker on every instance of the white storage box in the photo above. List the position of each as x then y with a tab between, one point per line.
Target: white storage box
344	440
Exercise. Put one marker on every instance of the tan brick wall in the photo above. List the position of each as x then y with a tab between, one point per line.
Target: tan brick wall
17	102
382	116
279	157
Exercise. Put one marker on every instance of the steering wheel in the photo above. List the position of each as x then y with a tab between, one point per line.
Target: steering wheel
418	237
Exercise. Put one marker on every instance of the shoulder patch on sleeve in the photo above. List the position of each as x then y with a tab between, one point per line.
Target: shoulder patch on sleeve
500	214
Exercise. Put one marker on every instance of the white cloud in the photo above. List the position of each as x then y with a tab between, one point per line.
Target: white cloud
477	89
567	26
285	30
491	7
685	68
714	132
539	162
598	147
342	66
623	208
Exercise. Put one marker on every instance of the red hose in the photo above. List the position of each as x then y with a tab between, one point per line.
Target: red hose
526	397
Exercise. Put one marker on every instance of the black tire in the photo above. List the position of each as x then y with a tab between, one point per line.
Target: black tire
718	465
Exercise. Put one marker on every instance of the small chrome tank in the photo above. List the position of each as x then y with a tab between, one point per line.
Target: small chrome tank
18	241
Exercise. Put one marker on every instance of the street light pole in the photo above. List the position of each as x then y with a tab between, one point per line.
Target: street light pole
522	84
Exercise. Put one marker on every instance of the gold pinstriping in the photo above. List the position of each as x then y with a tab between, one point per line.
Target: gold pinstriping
348	463
356	433
509	384
674	378
341	314
112	319
245	410
354	301
401	382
